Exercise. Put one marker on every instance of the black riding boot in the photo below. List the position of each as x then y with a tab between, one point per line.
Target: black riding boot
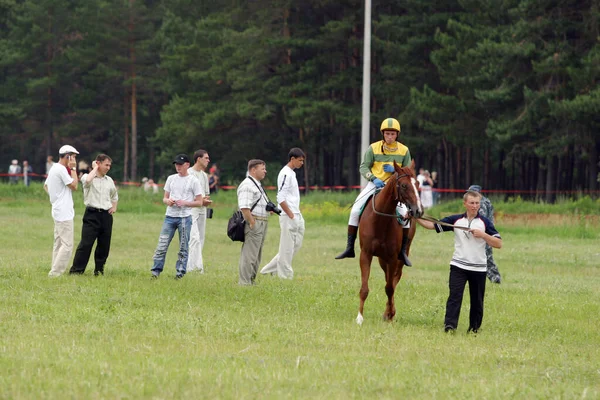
349	252
402	255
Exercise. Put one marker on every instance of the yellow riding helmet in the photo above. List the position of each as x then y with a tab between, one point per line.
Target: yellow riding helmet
390	124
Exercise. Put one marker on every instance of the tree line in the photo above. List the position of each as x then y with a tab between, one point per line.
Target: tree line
502	93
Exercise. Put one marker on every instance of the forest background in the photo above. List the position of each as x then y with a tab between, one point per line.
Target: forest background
502	93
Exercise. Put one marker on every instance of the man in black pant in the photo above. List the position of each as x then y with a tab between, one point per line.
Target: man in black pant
472	232
100	198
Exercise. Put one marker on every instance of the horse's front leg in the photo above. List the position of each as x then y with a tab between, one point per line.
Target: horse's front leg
390	286
365	270
396	267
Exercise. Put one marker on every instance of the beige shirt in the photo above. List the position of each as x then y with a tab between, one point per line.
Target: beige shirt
203	179
100	193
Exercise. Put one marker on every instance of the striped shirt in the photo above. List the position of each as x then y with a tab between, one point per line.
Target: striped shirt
378	154
100	193
248	194
469	251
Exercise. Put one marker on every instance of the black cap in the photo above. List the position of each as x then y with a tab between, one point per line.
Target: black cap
181	159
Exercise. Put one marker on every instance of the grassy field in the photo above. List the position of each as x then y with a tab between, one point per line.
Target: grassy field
125	336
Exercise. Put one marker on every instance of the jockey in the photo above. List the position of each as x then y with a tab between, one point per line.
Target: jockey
377	166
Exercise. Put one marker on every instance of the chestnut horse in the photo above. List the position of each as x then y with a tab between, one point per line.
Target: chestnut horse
381	234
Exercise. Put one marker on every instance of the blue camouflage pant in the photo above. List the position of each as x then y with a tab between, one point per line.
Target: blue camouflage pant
492	269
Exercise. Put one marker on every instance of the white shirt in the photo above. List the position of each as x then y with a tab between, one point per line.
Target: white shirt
203	179
287	189
181	188
60	194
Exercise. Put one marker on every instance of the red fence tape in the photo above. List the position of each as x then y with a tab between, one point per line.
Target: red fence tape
358	187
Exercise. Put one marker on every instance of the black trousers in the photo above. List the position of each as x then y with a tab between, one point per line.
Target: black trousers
97	226
458	280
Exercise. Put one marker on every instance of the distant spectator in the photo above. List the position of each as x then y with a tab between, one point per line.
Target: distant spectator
83	167
14	169
426	193
421	176
436	194
26	171
149	185
49	164
213	179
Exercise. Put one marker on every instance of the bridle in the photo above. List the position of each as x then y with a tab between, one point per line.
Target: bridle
397	198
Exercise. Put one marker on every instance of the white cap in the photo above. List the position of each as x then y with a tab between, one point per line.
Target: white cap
67	149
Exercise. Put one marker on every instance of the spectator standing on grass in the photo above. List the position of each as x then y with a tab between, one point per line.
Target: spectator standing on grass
199	214
100	198
376	167
26	171
61	182
49	164
434	187
426	193
14	169
252	202
291	221
213	179
182	192
472	232
487	210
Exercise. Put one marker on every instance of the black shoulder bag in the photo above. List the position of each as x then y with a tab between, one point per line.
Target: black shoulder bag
235	226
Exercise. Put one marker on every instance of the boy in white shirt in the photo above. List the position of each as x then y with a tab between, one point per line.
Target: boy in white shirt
182	191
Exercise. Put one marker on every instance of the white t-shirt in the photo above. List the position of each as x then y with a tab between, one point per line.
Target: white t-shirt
182	188
287	189
203	179
60	194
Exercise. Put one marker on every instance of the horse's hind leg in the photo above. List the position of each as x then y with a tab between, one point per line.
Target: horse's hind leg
393	273
390	309
365	270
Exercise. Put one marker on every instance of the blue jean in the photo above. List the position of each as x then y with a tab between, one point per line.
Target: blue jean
170	225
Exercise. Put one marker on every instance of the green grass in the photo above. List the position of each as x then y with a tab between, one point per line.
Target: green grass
125	336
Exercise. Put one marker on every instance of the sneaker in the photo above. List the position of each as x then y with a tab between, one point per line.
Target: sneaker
472	330
154	276
449	328
178	276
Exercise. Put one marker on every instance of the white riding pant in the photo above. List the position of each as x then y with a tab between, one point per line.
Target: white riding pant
362	198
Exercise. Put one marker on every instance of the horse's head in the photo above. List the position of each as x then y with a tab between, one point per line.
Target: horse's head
407	188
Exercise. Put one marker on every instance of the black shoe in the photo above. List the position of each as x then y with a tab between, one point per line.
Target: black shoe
98	273
178	276
348	253
472	330
449	328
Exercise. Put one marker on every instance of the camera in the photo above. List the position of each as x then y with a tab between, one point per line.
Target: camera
272	207
209	213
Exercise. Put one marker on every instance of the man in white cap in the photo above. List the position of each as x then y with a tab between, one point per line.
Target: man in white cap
61	182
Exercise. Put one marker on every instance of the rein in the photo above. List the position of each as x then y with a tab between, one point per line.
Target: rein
376	193
437	221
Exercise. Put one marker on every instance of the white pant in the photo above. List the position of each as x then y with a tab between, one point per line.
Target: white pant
290	241
63	247
362	199
196	243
